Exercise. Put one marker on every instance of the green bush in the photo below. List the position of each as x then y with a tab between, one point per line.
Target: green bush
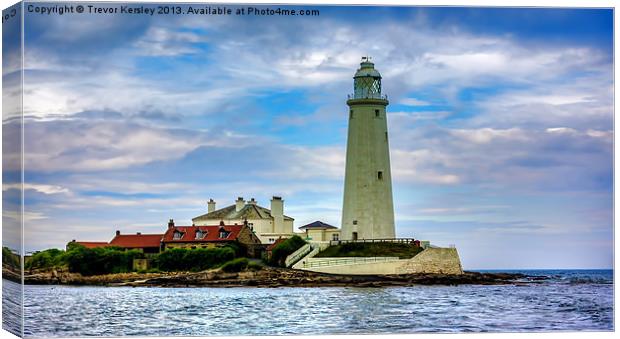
47	259
181	259
100	260
284	249
236	265
9	258
254	266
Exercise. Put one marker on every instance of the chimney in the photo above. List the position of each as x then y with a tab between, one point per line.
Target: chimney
118	232
170	223
252	202
211	206
221	222
239	204
277	213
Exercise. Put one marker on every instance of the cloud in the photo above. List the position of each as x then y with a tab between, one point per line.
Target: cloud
486	135
160	41
45	189
413	102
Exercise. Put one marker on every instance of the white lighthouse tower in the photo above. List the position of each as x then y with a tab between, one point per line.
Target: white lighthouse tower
368	209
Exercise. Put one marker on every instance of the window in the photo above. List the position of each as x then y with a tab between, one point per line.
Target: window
386	138
380	175
224	234
177	235
335	237
193	247
200	234
354	237
351	114
377	113
354	222
272	240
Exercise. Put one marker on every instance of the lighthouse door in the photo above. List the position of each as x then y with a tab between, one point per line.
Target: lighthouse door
354	235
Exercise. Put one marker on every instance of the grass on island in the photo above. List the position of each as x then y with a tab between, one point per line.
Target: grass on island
377	249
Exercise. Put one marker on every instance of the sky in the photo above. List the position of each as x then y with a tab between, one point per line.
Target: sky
500	124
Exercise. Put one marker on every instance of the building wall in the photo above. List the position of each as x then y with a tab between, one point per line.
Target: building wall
140	264
263	228
322	235
194	244
270	238
367	198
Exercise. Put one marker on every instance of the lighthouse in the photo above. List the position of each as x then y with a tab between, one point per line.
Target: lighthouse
368	209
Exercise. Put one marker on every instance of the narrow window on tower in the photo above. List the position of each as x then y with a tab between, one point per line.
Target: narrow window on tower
386	139
351	114
380	175
377	113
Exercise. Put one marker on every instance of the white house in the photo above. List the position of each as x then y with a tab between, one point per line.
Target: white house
267	224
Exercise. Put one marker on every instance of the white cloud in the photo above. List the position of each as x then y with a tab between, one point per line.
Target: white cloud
413	102
161	41
486	135
41	188
78	146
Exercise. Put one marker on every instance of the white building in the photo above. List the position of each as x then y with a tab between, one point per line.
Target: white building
320	231
368	210
267	224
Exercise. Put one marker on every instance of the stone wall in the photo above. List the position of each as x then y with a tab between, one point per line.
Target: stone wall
433	260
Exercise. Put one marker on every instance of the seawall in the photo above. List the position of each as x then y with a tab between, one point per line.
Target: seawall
431	260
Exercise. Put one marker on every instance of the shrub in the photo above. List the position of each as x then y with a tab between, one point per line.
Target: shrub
284	249
10	259
47	259
236	265
254	266
181	259
101	260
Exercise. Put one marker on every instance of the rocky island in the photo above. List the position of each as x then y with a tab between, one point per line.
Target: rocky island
265	277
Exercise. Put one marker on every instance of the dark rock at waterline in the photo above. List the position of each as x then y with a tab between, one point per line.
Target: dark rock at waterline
269	277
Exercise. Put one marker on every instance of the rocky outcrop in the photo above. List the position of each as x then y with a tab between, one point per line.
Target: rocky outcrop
268	277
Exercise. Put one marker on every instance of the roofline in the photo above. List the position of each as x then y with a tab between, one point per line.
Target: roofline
136	235
255	206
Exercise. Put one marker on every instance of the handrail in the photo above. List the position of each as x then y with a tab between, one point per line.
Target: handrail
378	96
392	240
346	261
297	255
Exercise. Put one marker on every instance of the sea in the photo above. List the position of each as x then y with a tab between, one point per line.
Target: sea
559	300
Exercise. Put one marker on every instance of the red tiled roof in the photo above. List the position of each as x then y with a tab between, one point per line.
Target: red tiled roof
136	240
92	244
271	246
212	233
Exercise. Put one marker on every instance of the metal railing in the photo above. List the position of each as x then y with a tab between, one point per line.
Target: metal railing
309	256
391	240
377	96
346	261
295	256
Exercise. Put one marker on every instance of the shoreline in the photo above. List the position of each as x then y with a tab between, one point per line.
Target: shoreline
267	277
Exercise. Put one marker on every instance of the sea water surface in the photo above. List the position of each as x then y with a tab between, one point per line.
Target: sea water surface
575	300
